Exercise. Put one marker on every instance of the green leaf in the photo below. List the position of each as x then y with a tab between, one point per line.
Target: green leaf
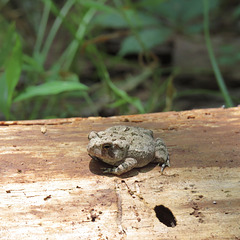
150	38
4	96
116	20
97	5
193	28
117	103
50	88
6	43
14	68
11	73
32	64
113	20
178	12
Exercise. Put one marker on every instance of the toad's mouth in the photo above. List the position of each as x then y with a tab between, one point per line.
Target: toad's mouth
95	158
98	159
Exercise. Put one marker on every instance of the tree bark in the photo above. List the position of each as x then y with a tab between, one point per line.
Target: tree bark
51	189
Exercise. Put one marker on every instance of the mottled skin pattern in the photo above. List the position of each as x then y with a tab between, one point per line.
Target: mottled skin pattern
126	147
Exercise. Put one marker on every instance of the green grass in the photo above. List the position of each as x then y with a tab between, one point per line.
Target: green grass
47	78
218	75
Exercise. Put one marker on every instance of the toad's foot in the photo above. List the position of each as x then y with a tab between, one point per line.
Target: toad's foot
165	164
124	167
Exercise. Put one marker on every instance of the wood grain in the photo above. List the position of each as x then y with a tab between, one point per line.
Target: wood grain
51	189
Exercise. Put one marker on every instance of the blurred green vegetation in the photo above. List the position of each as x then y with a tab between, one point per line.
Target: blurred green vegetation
81	58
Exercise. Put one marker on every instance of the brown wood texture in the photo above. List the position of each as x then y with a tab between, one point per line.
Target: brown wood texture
51	189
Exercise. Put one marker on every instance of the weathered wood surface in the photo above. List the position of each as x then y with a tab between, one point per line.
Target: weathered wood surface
50	189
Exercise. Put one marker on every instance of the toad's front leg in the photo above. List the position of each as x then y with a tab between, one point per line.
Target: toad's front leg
127	165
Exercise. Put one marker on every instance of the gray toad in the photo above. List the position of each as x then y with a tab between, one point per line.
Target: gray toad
126	147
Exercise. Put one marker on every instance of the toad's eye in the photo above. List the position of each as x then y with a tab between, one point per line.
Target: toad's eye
107	146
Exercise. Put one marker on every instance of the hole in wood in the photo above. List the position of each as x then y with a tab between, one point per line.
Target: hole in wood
165	216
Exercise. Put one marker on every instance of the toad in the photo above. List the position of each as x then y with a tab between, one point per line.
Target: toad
125	148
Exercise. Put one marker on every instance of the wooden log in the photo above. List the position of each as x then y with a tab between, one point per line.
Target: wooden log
51	189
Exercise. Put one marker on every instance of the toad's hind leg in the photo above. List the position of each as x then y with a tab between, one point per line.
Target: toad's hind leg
161	154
